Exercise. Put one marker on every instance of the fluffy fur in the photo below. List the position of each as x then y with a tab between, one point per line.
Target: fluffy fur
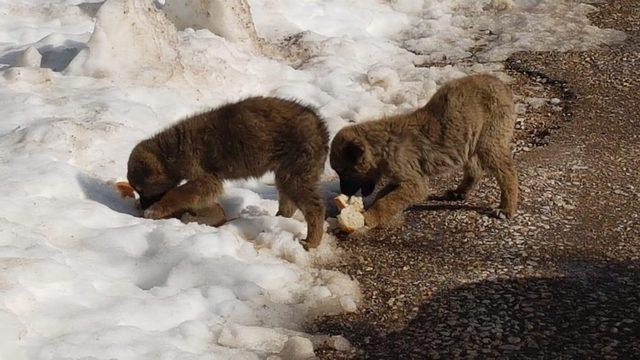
468	123
239	140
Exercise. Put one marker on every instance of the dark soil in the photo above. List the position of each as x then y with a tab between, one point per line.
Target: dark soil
562	279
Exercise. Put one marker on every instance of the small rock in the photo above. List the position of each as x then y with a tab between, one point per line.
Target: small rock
510	347
348	304
339	343
535	102
514	339
297	348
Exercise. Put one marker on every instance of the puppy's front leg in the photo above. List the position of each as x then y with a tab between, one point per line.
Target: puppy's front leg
398	197
193	194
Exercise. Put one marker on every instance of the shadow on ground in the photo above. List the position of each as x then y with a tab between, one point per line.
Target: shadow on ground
56	58
450	206
592	312
106	194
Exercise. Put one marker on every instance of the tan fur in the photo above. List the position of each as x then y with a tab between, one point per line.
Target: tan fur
468	123
240	140
212	215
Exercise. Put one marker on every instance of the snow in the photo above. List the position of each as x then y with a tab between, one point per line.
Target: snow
82	276
230	19
491	31
30	57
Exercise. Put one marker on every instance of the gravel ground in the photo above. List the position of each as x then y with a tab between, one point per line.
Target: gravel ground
562	280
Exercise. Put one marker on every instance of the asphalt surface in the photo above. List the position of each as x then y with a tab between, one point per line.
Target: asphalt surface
562	279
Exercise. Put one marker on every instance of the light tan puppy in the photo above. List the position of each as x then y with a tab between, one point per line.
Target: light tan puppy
468	123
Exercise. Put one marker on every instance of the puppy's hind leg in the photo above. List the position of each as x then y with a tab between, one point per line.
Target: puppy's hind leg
472	175
501	165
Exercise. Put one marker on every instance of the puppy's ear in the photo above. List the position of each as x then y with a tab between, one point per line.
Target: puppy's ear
144	166
353	151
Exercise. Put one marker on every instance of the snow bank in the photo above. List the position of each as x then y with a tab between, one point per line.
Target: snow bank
81	83
81	277
492	30
230	19
128	36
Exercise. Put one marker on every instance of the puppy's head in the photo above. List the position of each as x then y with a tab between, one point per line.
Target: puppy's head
352	159
148	175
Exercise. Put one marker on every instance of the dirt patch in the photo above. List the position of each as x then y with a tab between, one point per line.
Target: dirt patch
562	279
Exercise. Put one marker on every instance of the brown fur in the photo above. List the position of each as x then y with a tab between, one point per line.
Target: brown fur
468	123
239	140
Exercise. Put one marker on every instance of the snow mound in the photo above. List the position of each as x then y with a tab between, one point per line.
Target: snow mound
230	19
128	36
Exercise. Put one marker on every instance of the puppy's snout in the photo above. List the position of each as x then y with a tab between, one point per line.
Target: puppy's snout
349	187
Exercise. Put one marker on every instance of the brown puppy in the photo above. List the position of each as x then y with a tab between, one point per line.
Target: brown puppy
239	140
467	123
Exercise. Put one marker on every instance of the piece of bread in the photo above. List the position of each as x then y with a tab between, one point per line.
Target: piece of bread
357	203
350	219
342	201
125	190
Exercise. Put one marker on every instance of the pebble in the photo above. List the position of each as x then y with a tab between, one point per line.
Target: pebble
297	348
514	339
340	343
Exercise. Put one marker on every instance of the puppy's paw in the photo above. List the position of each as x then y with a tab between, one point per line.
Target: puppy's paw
309	245
156	211
500	214
189	217
359	234
394	222
371	219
